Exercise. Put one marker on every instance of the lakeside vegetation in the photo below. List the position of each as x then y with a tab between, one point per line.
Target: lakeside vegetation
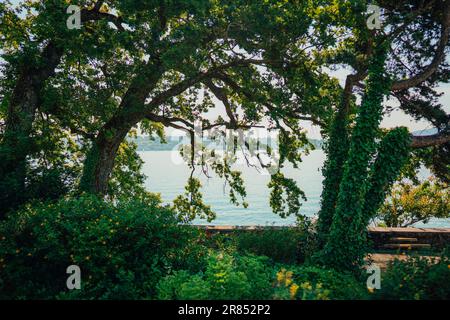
73	100
138	250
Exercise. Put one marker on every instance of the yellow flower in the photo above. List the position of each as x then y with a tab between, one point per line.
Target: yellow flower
87	258
306	286
287	282
448	266
293	290
280	275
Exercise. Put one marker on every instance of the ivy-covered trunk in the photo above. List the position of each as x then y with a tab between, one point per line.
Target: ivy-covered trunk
336	150
345	245
99	162
391	156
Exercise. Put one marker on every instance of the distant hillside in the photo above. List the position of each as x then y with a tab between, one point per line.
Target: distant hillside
425	132
146	144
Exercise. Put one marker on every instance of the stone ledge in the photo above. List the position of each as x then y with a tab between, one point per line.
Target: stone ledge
436	237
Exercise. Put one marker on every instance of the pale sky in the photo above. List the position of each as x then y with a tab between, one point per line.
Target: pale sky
396	118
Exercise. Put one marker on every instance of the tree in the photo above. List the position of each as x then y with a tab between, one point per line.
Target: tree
33	48
70	98
361	166
158	64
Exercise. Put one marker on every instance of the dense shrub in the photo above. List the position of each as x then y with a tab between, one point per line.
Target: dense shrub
284	245
225	276
286	288
416	278
123	249
236	276
279	244
337	285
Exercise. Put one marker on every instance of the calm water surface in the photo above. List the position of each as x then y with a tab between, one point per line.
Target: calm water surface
167	174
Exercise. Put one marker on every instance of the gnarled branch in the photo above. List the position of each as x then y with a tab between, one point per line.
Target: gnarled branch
437	60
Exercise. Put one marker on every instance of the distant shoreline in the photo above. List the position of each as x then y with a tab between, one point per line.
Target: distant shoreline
145	143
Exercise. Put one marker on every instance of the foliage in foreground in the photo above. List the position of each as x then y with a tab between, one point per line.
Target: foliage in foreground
225	276
283	245
138	250
123	250
232	276
416	279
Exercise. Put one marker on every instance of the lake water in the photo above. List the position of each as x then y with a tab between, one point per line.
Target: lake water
167	174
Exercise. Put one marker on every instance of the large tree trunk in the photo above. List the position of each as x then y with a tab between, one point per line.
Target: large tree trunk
99	162
16	143
100	159
345	244
337	150
392	154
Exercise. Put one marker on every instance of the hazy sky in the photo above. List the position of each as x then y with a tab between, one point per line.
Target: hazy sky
396	118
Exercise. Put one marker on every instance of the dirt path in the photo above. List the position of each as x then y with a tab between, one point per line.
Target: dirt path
382	259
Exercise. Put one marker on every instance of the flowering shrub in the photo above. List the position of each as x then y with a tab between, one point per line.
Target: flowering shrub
319	282
409	203
286	288
122	249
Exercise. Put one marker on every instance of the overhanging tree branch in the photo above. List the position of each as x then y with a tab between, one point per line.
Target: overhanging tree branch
438	58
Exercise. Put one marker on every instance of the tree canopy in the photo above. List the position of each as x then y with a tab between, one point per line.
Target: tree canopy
71	97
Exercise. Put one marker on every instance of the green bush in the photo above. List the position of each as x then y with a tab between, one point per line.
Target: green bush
123	249
284	245
286	288
225	276
416	279
338	285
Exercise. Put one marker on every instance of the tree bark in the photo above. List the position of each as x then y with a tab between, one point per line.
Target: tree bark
337	151
17	143
100	159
